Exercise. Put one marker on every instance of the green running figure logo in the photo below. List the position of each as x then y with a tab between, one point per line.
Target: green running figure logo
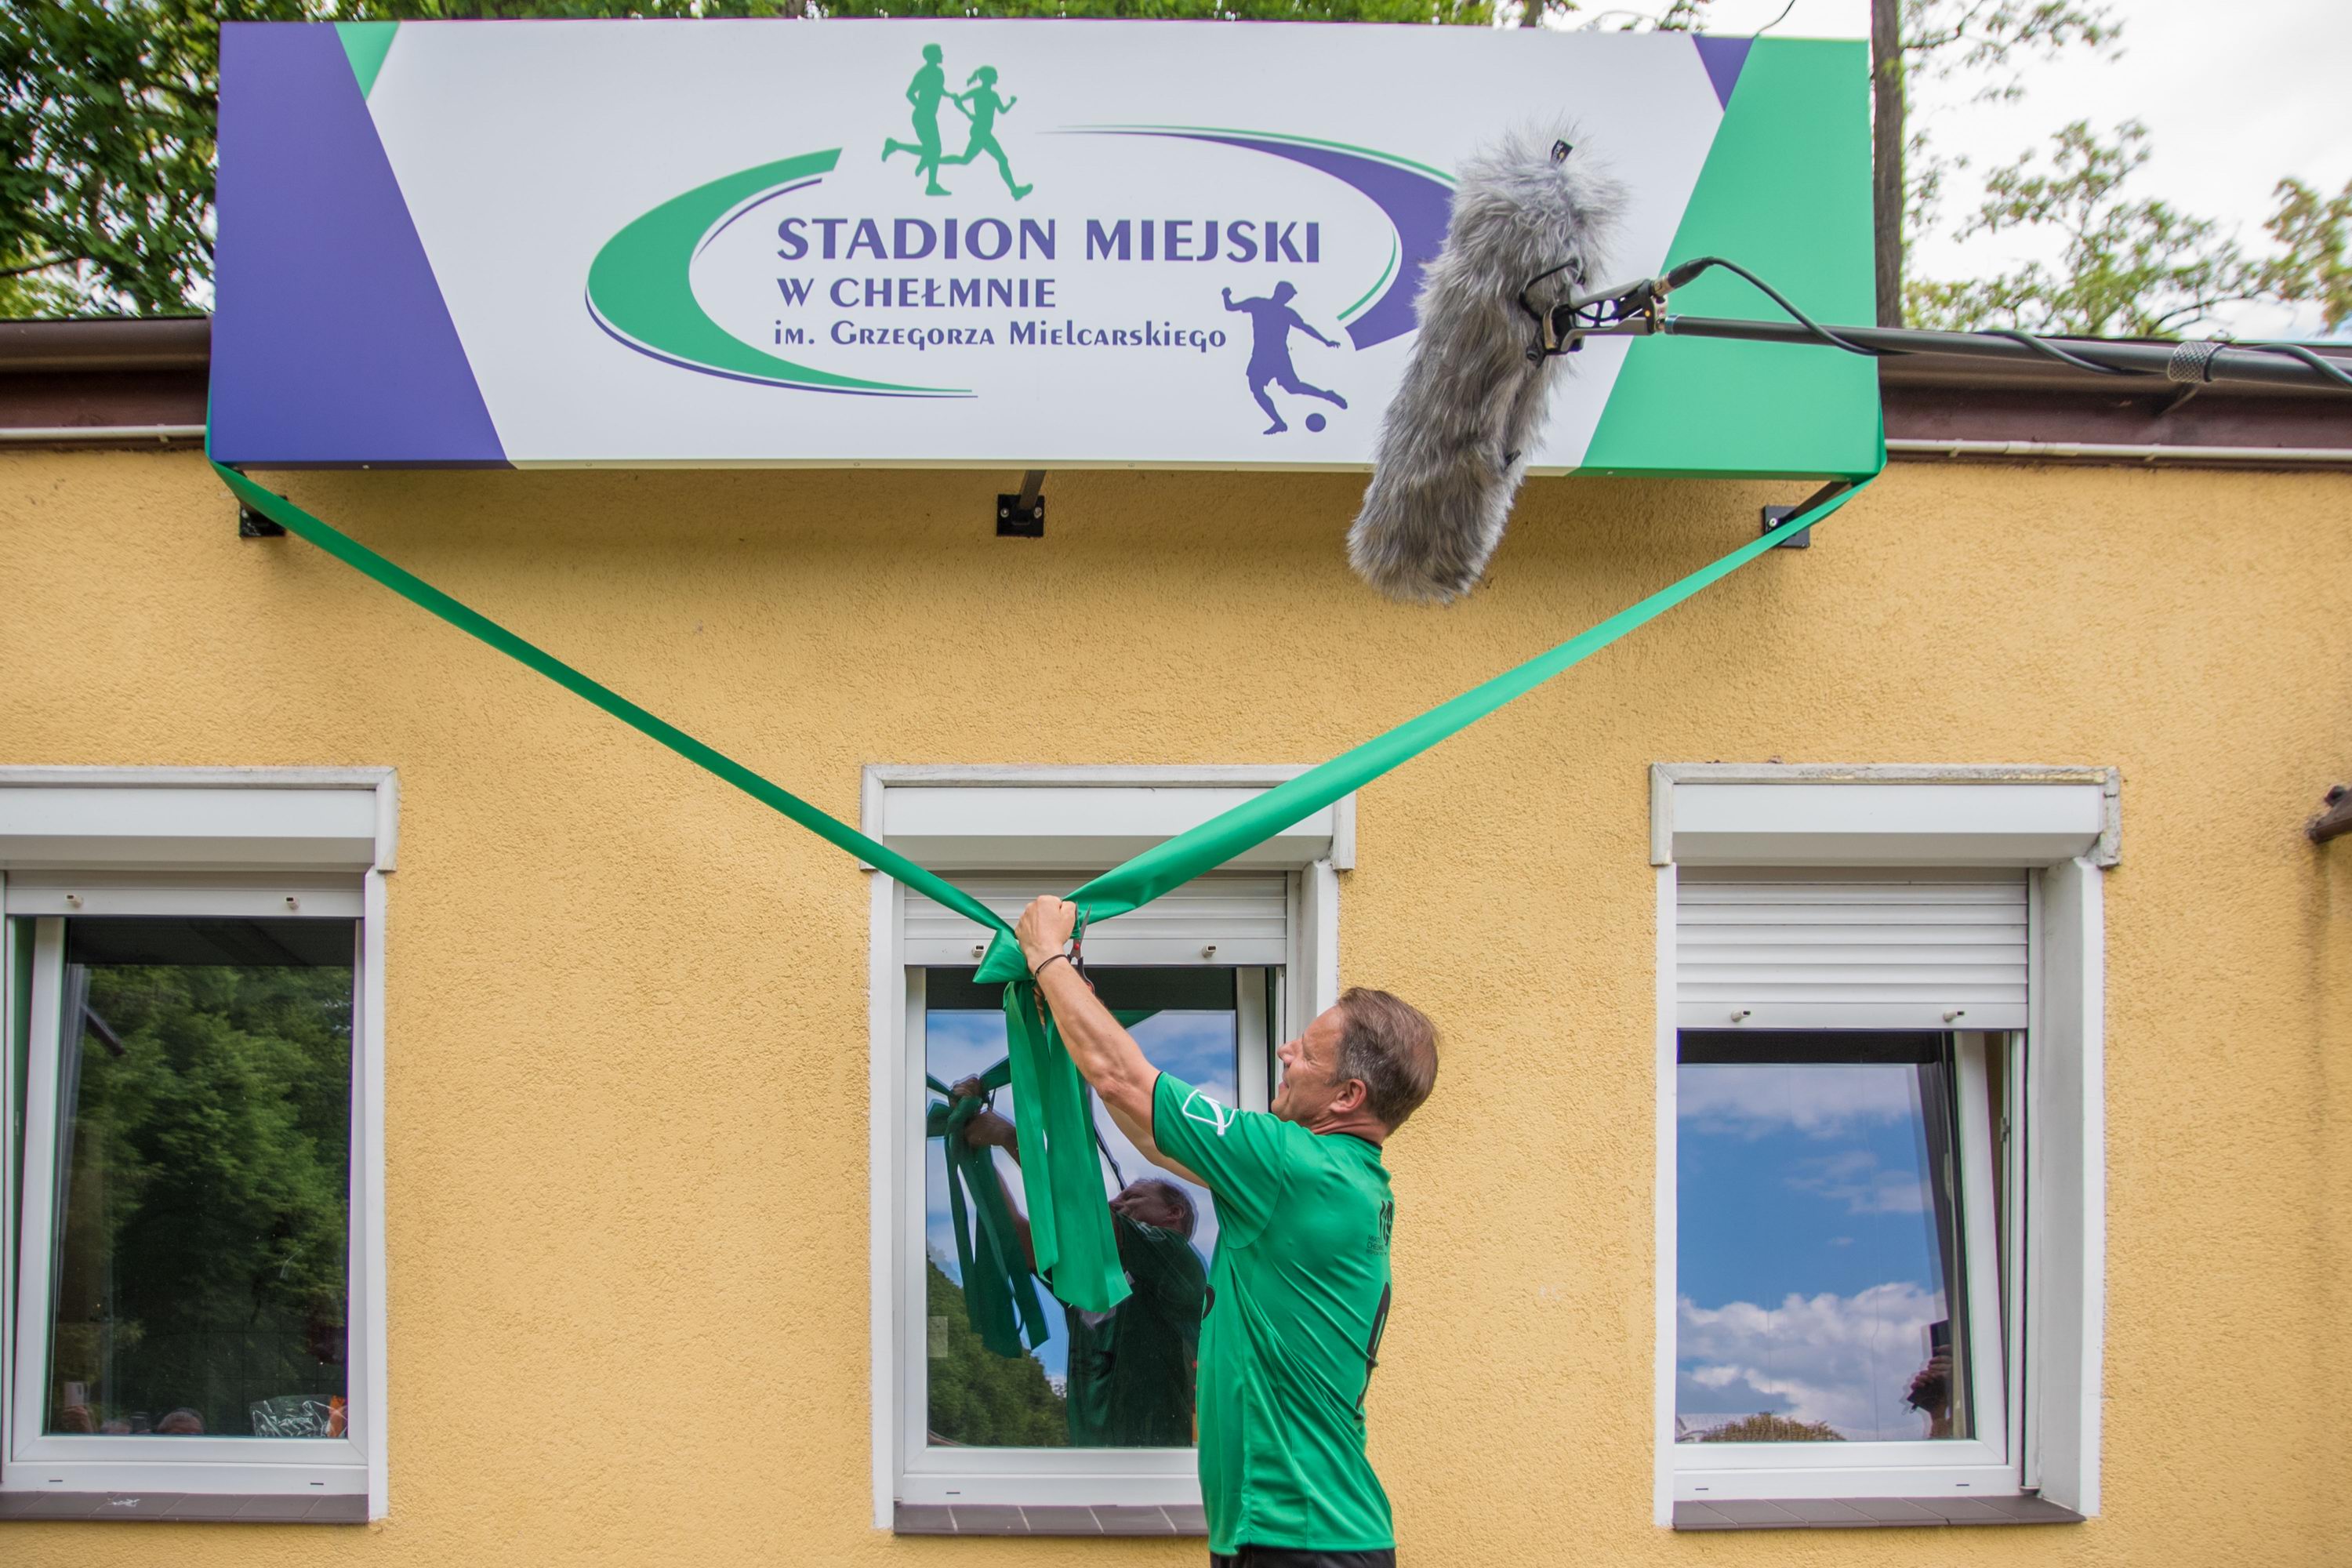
979	104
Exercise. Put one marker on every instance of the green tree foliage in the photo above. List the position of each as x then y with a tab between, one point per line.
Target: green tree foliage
106	149
205	1205
108	110
1933	40
2314	234
28	295
1993	38
2133	266
977	1398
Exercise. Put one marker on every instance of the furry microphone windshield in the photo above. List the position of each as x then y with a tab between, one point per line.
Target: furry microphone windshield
1453	443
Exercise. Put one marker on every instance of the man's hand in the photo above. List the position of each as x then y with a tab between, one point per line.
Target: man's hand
1044	928
1104	1054
987	1130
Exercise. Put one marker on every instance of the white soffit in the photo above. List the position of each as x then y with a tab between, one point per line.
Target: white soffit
1742	814
1235	918
1052	819
226	820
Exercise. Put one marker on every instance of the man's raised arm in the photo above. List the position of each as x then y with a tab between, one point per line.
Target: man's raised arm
1106	1054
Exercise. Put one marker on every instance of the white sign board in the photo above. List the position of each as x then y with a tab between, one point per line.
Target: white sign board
841	243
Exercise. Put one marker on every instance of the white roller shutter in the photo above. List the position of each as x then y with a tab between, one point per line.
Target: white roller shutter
1861	948
1244	916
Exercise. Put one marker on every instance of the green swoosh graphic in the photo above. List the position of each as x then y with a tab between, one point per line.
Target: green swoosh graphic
638	287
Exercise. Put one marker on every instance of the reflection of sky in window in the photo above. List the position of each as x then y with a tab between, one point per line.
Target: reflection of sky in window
1201	1048
1807	1257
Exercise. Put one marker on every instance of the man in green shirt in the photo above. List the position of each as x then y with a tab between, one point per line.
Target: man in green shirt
1298	1291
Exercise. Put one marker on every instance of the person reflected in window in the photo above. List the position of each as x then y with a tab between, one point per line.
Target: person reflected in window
180	1423
1930	1392
1131	1369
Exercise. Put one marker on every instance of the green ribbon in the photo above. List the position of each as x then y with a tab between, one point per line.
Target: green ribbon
996	1277
1070	1232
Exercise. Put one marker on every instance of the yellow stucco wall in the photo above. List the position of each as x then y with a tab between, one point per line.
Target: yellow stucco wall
627	1013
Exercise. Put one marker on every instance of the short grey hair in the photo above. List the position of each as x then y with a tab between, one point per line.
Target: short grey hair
1389	1046
1177	1196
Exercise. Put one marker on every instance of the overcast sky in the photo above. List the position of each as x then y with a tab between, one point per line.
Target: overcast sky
2234	97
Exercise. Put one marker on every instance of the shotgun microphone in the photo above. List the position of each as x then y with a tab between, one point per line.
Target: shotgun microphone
1530	228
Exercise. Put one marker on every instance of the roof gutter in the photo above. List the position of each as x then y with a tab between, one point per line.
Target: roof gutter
115	343
2141	454
2144	454
98	435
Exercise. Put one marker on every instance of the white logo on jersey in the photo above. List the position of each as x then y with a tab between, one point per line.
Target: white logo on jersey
1211	1113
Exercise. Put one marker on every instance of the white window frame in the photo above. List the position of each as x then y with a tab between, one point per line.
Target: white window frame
1047	820
1927	1468
2040	1419
194	841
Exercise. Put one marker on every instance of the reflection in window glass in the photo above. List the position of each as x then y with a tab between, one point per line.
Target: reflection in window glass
1121	1379
1818	1228
203	1181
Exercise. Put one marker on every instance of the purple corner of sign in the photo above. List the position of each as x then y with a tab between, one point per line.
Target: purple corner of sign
1723	59
331	342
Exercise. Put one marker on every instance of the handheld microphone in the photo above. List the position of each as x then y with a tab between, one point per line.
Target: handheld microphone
1532	224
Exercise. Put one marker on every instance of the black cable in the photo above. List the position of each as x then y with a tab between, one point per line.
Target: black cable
1533	313
2049	350
1698	264
2318	362
1597	313
1101	1142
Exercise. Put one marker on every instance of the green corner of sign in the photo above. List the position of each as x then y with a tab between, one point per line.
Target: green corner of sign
1785	144
364	44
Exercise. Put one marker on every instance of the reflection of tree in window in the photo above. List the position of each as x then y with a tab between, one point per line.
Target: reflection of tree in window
1820	1231
1766	1427
203	1197
981	1399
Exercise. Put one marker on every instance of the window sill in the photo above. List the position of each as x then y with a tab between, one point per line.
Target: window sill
1867	1513
1004	1518
177	1507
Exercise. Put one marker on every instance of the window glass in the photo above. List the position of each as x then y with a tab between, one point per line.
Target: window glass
202	1179
1818	1240
1060	1378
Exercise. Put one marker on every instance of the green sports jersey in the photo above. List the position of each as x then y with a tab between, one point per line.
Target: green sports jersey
1299	1294
1130	1369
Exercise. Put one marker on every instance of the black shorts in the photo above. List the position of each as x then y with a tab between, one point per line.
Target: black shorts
1292	1557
